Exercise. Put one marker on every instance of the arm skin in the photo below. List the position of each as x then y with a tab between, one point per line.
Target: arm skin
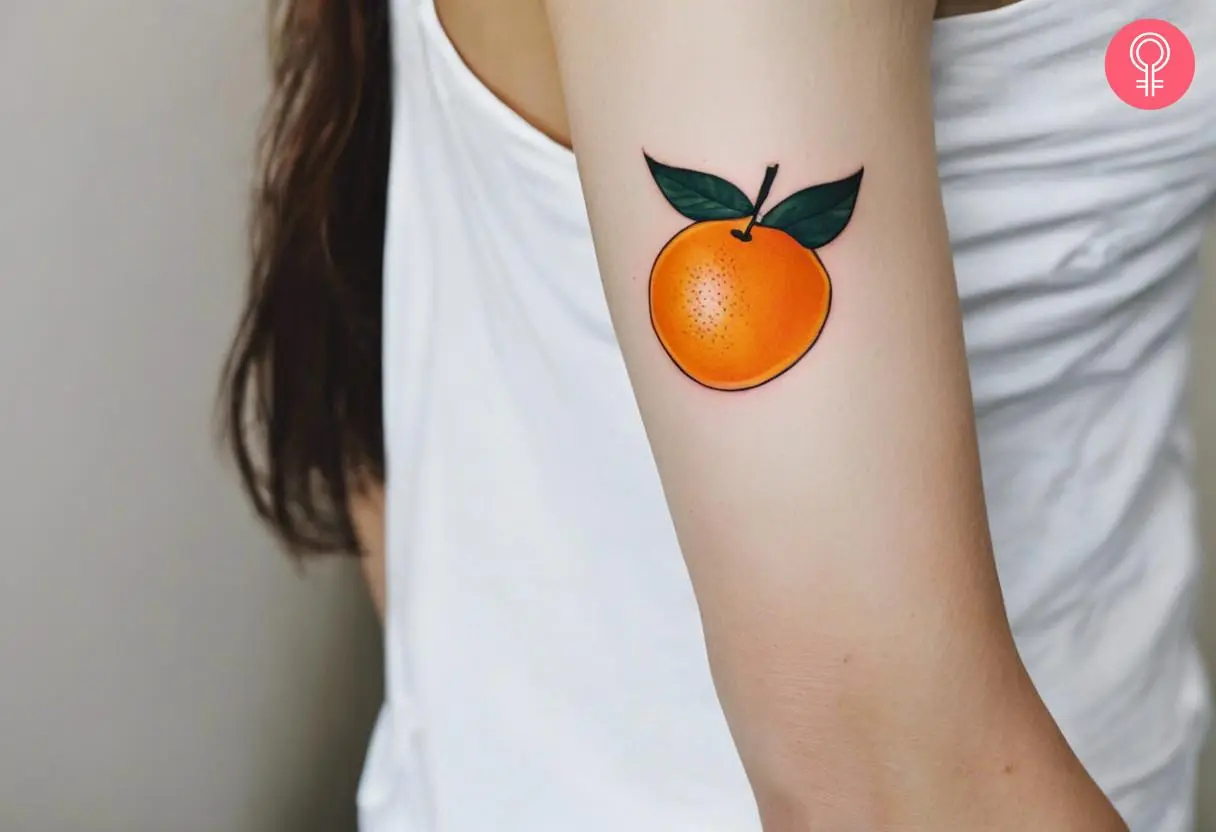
367	514
832	520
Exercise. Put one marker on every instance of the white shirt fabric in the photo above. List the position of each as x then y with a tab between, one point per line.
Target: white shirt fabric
546	669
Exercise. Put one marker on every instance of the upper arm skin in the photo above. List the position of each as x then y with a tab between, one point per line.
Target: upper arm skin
832	519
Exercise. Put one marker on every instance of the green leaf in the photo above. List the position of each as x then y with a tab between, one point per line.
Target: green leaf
816	216
700	196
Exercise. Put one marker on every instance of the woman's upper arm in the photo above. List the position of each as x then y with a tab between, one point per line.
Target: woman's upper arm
824	485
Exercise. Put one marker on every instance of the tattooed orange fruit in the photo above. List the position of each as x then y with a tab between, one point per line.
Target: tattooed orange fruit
736	299
734	314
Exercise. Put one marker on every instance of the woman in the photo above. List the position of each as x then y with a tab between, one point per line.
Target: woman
686	529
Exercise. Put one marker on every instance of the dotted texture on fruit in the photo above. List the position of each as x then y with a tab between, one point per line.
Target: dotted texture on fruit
734	314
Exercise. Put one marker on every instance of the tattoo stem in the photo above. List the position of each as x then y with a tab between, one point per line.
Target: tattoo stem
770	176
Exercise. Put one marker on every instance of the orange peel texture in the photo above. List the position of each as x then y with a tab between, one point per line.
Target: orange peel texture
737	299
735	314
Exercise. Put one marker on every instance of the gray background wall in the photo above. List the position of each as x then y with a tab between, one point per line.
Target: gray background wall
161	667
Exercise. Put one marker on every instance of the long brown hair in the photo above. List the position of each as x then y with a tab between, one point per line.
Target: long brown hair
301	392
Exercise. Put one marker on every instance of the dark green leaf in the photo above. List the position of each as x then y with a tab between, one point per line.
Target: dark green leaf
700	196
816	216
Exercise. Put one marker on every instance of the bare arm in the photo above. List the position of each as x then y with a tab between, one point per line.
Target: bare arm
367	513
801	375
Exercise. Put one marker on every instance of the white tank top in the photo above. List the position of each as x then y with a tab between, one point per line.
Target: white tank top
546	669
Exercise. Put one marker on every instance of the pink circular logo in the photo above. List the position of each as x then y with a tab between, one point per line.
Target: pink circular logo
1150	64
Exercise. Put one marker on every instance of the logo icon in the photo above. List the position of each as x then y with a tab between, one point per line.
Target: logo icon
1151	81
1150	64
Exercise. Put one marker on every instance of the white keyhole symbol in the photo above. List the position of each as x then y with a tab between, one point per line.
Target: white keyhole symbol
1150	83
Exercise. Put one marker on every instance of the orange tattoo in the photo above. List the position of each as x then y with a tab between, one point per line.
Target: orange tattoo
736	299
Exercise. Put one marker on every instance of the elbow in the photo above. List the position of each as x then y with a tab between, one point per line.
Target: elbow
802	802
788	810
858	784
806	780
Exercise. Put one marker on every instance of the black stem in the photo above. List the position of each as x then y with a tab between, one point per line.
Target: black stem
770	176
